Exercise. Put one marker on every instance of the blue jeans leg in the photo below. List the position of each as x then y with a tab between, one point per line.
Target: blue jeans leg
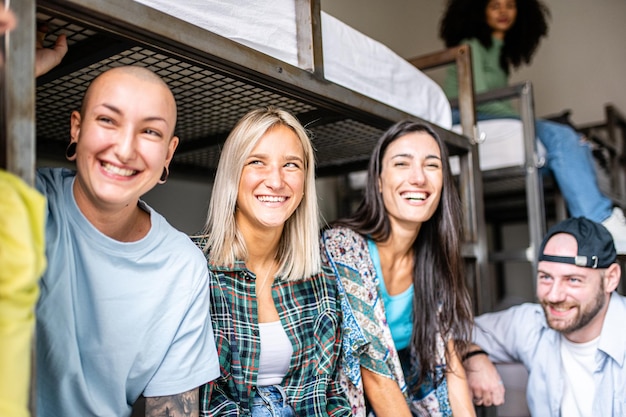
570	161
271	401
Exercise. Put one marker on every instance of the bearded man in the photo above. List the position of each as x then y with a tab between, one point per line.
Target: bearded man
572	342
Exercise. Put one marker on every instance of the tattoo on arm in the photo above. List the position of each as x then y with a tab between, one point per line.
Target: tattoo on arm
179	405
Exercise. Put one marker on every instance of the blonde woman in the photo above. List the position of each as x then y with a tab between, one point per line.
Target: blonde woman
275	314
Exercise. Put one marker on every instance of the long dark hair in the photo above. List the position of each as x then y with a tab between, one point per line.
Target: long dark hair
465	19
441	305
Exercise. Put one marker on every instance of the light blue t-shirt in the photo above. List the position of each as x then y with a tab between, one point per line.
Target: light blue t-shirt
116	320
398	308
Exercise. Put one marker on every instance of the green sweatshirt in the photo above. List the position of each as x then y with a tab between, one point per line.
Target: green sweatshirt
488	75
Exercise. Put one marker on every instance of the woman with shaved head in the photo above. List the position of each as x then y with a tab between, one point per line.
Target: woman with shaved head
125	299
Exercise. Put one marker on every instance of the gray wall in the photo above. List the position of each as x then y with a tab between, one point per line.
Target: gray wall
184	203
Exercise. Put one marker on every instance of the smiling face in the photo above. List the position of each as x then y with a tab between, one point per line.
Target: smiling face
411	179
124	139
500	16
574	298
272	181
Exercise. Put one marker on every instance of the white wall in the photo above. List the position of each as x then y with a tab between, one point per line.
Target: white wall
409	27
581	65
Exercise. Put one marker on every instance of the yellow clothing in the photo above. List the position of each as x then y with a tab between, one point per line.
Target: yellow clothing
22	262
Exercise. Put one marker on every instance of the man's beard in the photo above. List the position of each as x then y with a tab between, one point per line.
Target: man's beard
582	318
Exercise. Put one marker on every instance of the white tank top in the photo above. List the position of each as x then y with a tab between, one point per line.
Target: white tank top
276	352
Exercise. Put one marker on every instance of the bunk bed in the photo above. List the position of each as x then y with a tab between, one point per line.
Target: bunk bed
219	68
514	188
216	80
511	172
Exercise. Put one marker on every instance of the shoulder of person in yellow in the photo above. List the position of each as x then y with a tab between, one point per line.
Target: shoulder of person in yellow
22	262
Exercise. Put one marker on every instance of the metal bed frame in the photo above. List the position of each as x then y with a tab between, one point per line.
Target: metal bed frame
502	184
522	193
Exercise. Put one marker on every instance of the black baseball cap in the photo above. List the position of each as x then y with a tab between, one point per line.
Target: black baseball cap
595	244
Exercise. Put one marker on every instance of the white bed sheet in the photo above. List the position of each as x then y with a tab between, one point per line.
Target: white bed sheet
351	59
503	145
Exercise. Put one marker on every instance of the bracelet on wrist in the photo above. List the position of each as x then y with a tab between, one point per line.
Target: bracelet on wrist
474	353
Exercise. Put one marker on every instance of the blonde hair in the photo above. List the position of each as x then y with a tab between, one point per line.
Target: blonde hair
298	249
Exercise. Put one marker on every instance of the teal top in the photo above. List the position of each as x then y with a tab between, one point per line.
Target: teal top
396	306
488	75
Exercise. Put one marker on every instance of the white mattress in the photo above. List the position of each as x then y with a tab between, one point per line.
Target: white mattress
351	59
503	145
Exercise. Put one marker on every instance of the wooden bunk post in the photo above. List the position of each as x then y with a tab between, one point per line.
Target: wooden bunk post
534	192
17	101
534	182
467	106
309	36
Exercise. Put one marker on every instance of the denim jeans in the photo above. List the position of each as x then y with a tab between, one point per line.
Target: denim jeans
271	401
570	161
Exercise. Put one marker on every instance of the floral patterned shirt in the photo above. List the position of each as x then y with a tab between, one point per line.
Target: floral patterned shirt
366	335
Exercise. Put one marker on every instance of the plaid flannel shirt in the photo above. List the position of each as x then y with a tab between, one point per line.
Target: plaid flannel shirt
311	316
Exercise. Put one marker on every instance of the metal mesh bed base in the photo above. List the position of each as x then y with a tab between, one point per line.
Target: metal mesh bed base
209	103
